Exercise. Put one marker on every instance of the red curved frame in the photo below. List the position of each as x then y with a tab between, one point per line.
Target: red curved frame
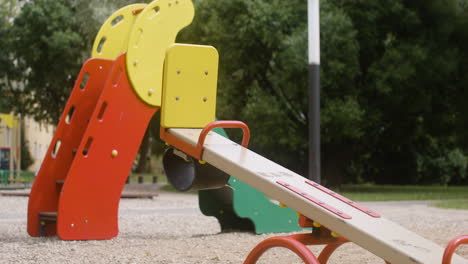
328	250
452	246
197	151
298	244
288	242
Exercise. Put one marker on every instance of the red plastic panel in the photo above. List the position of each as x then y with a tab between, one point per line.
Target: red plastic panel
315	200
344	199
88	207
73	122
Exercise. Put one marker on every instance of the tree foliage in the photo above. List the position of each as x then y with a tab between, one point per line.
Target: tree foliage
8	10
412	75
48	49
255	39
393	84
49	42
393	77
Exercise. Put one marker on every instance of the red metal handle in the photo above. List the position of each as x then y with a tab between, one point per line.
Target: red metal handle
452	246
223	124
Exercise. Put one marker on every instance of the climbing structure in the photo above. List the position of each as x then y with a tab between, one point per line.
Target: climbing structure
77	190
136	70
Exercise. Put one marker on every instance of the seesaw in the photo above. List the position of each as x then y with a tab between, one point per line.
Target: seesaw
136	70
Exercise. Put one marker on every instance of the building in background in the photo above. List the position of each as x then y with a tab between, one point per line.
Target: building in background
37	137
10	138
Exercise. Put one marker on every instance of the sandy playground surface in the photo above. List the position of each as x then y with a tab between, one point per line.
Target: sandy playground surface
171	229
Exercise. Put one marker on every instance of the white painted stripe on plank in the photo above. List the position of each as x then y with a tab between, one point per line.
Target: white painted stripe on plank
313	13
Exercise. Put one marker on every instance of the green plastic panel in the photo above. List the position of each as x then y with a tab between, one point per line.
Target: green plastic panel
240	207
267	216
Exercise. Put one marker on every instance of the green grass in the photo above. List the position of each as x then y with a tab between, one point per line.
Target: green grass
452	204
367	192
27	176
22	177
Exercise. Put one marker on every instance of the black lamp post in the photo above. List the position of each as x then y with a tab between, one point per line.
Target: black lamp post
314	90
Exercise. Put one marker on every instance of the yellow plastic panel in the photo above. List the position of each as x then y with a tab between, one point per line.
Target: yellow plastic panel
189	88
112	38
155	30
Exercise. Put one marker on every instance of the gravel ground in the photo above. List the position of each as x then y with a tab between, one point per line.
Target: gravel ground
170	229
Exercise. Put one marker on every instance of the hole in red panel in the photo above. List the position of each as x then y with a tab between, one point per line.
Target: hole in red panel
117	20
102	111
84	81
56	148
87	146
69	115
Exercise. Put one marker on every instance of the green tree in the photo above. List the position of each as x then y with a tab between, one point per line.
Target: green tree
253	39
49	48
393	78
393	81
412	63
263	73
51	41
8	9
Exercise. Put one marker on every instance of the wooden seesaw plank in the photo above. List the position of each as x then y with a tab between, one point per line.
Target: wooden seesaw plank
360	225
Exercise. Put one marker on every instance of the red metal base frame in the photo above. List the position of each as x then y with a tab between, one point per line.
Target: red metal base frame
322	236
298	244
452	246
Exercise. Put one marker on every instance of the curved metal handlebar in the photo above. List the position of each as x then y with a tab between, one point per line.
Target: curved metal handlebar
450	249
222	124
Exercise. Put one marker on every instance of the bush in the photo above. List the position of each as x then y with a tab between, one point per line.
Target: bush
441	165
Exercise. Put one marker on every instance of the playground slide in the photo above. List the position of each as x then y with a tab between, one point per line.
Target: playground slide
356	223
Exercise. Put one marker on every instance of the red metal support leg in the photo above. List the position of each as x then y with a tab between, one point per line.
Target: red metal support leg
328	250
452	246
288	242
298	244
